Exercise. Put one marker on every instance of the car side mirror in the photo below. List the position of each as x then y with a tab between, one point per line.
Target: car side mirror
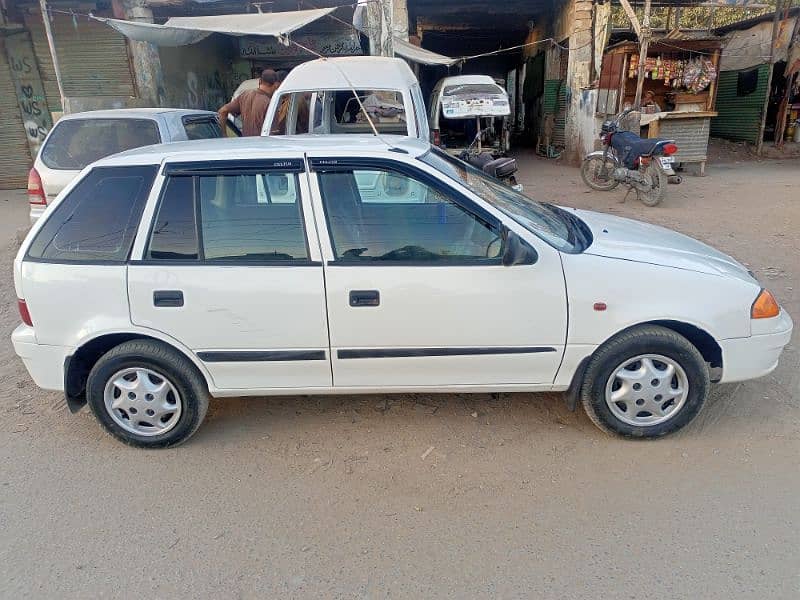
517	251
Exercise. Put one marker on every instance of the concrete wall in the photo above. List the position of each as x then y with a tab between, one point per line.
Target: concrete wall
582	99
199	75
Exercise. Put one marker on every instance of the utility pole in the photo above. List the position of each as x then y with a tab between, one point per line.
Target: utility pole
52	45
644	43
643	32
380	28
779	6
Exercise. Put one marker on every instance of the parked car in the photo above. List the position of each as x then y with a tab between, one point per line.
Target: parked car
317	97
79	139
170	274
458	104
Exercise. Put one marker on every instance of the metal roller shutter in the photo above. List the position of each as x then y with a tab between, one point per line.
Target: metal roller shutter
93	58
16	155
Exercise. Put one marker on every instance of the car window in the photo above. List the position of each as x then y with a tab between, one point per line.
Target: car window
97	220
252	217
555	226
385	108
174	233
238	217
472	88
76	143
201	128
293	114
383	215
303	112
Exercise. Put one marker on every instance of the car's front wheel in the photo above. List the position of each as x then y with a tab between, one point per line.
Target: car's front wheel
646	382
147	394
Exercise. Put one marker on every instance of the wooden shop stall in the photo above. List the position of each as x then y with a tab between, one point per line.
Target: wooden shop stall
679	93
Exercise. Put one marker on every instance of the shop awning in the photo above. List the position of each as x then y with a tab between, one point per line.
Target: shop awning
420	55
181	31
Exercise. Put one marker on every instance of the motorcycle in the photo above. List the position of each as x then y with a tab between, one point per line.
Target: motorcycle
645	165
502	168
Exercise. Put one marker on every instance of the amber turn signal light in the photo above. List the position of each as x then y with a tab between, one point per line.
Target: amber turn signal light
765	306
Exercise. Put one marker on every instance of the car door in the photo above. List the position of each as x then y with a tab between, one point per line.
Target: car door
417	293
230	267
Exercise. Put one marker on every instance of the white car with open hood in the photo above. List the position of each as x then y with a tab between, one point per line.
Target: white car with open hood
164	276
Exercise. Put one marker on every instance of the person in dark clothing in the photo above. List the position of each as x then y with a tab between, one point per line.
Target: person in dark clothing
252	105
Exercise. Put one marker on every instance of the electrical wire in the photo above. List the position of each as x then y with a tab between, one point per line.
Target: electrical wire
462	59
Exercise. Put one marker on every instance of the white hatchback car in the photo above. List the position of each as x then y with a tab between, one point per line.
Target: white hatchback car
167	275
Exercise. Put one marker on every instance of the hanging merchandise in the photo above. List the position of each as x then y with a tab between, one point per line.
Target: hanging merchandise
698	75
659	68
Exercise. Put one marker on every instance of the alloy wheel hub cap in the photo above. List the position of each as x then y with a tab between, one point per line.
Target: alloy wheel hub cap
142	401
647	390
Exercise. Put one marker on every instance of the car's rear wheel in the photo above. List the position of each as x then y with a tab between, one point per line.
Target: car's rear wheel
147	394
646	382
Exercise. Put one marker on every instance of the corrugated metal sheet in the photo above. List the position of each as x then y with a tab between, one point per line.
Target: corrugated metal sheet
555	103
739	116
13	141
550	100
560	125
690	135
93	58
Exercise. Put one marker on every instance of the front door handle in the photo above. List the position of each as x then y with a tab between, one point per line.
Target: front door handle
365	298
172	298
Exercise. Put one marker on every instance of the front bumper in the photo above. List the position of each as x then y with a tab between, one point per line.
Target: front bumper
45	364
757	355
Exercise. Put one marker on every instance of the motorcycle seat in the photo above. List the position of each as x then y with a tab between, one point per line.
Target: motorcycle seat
632	145
500	167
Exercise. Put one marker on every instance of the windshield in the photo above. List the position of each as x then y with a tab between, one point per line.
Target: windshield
473	88
559	228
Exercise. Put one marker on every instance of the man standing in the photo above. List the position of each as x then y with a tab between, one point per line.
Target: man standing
251	105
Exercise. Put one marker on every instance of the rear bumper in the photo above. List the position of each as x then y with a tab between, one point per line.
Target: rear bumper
45	364
757	355
37	210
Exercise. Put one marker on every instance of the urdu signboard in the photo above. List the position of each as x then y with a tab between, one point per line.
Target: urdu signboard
335	44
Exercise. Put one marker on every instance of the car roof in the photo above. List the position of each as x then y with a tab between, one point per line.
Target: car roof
463	79
346	72
133	113
266	147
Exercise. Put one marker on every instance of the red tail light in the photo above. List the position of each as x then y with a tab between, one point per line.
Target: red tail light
670	149
436	137
24	312
35	188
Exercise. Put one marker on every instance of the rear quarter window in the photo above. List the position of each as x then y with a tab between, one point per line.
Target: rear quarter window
202	128
97	221
76	143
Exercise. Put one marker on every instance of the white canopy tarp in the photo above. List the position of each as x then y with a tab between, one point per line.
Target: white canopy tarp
751	47
420	55
181	31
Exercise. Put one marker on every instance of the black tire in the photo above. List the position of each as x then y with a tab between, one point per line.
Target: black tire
163	359
589	173
649	339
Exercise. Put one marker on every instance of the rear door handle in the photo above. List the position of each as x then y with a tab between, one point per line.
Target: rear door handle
168	298
365	298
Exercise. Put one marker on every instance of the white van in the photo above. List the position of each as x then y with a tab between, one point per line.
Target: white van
317	97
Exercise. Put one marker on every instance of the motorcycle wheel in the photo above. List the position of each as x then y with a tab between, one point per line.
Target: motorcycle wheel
590	173
656	188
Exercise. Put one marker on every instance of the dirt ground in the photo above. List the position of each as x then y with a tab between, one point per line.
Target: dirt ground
428	496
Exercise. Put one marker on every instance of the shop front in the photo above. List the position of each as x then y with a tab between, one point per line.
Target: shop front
679	92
